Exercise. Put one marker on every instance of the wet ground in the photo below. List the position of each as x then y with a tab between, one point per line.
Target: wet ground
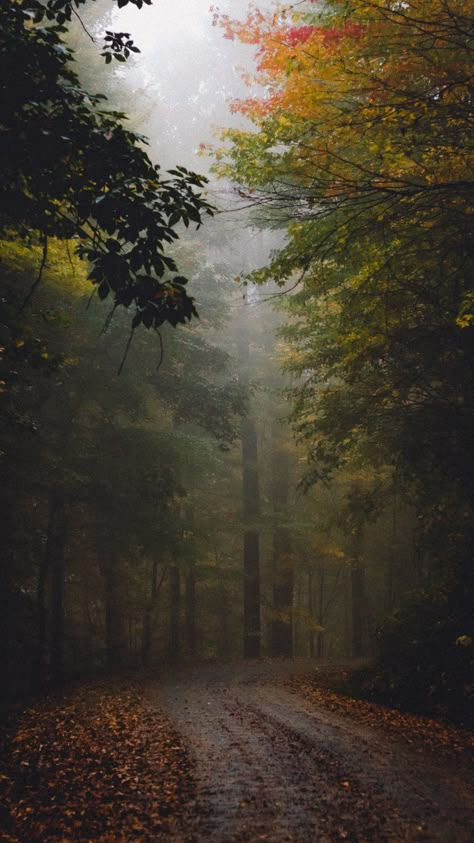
269	764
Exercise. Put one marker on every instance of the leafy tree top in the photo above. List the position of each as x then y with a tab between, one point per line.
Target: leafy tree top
360	146
71	169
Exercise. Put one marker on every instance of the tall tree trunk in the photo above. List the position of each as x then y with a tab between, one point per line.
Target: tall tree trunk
190	623
42	609
147	617
312	649
149	610
58	536
392	583
174	617
45	564
358	597
322	578
316	638
55	553
224	642
114	621
347	594
283	584
252	629
251	512
283	579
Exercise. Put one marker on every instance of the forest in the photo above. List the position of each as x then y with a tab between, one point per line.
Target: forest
236	344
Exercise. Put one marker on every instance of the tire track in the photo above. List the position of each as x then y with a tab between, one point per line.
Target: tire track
269	766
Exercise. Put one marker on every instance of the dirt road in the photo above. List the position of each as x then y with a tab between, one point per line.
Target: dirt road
270	765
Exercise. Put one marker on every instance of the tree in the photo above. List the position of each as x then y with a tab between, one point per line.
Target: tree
71	170
361	150
250	508
283	578
96	468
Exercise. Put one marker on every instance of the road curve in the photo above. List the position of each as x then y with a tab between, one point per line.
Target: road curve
270	765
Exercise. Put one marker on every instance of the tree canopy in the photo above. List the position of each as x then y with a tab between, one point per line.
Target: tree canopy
135	530
361	148
71	169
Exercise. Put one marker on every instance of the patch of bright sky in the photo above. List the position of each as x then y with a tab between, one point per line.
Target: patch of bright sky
184	78
186	73
177	20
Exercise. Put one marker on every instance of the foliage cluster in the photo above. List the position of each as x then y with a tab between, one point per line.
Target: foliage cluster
360	152
100	474
72	170
361	148
103	476
426	661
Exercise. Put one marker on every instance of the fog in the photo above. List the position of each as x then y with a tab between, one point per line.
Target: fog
236	397
187	529
182	83
178	92
176	485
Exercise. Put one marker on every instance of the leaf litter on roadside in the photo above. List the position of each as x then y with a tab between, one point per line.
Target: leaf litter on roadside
415	730
96	763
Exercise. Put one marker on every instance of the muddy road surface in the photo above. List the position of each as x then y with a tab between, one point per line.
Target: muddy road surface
269	764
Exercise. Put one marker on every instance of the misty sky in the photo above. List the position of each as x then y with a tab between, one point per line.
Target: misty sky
187	72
